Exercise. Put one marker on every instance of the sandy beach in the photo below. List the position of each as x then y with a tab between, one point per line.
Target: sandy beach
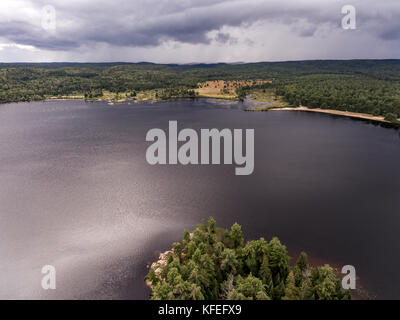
336	112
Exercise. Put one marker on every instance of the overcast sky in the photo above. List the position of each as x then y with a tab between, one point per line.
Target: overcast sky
186	31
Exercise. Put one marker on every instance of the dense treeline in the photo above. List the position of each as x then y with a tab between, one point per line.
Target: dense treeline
25	84
214	263
371	86
343	92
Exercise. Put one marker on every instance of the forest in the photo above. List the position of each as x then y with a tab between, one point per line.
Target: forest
366	86
343	92
213	263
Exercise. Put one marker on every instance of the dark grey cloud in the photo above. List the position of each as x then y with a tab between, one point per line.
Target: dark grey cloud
225	38
391	34
27	34
150	23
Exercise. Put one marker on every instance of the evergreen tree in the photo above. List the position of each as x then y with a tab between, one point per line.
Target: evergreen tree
202	267
237	236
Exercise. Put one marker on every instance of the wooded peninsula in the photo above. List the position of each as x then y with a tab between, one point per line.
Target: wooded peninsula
213	263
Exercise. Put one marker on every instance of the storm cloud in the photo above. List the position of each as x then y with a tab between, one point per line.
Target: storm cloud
164	30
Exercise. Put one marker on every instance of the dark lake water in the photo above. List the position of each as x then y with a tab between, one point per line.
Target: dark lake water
76	192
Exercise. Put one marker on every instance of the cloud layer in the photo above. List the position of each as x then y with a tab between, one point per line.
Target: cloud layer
195	30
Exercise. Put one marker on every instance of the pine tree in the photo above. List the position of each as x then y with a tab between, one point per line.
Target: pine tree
237	236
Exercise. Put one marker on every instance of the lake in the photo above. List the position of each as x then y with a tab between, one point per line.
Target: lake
76	192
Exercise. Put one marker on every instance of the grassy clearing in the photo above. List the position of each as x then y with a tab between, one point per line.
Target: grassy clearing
265	99
220	89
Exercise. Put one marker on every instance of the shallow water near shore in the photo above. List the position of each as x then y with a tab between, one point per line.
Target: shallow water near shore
76	192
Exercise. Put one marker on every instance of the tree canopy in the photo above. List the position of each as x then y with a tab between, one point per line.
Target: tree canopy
214	263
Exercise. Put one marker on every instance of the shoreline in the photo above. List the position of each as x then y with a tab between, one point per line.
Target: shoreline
125	100
356	115
349	114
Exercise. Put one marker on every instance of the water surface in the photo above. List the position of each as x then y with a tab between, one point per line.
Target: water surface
77	193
